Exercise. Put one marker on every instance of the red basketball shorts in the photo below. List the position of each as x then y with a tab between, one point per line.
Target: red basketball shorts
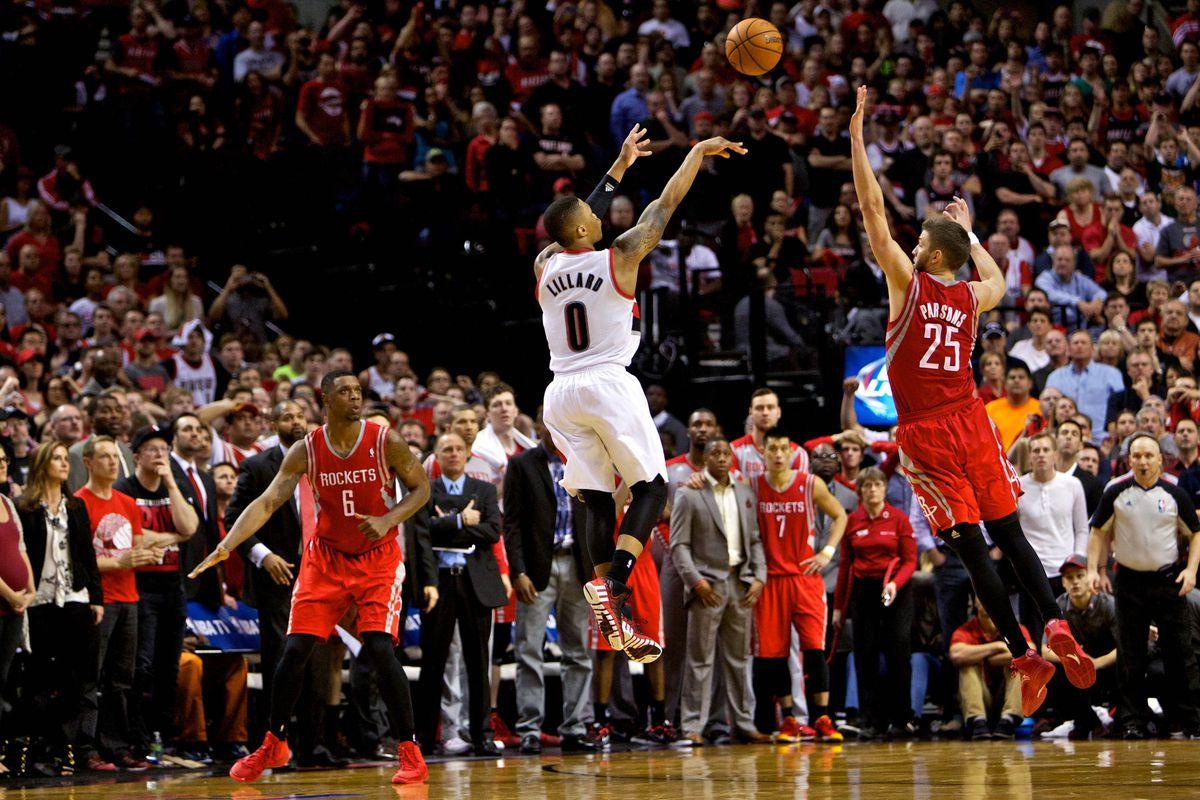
957	468
330	581
645	604
789	602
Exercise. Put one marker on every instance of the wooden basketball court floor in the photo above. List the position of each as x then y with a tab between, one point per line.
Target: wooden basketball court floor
898	771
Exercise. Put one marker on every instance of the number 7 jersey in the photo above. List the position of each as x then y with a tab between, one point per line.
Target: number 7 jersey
929	348
589	321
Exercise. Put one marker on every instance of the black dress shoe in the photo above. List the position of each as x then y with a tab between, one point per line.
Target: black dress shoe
577	744
320	758
487	750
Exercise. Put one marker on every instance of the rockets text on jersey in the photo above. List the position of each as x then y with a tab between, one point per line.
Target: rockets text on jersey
786	523
588	320
344	486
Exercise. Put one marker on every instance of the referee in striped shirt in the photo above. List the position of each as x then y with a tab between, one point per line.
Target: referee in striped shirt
1142	520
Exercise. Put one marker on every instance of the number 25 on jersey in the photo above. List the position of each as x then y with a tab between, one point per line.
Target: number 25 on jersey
940	338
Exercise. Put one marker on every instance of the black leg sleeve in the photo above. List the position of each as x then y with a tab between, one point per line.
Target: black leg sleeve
289	680
378	651
967	541
1008	536
600	525
645	508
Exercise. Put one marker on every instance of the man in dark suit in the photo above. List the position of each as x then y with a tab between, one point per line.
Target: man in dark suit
543	535
194	482
464	524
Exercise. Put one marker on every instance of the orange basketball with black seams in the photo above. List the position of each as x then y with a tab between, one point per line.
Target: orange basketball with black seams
754	46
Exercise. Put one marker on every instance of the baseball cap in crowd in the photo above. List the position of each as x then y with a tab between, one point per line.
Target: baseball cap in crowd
1073	560
28	354
435	154
14	412
704	115
244	407
1058	223
758	113
783	80
143	435
993	331
382	339
563	185
935	91
62	151
145	334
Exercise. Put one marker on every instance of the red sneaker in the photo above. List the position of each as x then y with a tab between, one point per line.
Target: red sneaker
412	764
606	607
826	730
501	733
1035	673
789	731
638	646
273	754
1078	665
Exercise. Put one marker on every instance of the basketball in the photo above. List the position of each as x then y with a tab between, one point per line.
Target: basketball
754	46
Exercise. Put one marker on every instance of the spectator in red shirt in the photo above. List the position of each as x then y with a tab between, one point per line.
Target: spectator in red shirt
30	274
64	186
877	558
385	127
38	232
137	54
321	109
117	539
1106	237
982	658
527	71
487	127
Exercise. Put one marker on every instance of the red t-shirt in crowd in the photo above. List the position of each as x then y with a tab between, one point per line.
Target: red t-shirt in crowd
116	525
323	106
973	633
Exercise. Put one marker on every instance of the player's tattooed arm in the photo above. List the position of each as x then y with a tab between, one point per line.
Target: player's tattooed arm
539	263
636	243
282	489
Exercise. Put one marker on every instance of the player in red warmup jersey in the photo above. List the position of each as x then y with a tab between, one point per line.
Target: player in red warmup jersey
794	595
949	450
350	465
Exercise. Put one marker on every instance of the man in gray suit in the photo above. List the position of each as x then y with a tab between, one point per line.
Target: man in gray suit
717	550
109	412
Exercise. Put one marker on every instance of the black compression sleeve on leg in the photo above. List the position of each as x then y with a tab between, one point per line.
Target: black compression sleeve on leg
601	523
967	541
380	653
816	671
289	680
1007	534
602	196
645	509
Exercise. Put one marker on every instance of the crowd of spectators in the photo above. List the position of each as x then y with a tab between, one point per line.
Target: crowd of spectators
132	395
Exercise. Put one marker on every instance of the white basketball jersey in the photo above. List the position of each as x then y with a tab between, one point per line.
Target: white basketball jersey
200	382
588	320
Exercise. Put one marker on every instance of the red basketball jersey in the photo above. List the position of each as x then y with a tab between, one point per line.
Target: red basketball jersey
786	523
929	348
359	483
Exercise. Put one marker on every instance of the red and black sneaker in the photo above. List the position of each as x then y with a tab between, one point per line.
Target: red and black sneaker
1035	673
638	646
606	604
273	754
412	764
1078	665
502	735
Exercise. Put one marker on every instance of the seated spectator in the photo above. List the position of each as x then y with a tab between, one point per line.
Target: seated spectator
1077	168
1059	235
1175	340
215	681
1093	620
1121	280
1109	237
1178	251
177	304
985	681
1087	382
784	345
1032	350
991	370
1074	296
1012	410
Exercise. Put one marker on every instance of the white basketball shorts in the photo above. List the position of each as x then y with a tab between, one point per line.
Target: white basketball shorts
599	420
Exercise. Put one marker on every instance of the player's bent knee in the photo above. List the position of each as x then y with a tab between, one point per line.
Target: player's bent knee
377	646
816	671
